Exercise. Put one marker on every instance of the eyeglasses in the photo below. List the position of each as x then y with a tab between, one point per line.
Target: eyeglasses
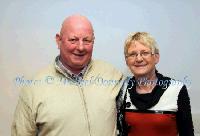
85	41
143	54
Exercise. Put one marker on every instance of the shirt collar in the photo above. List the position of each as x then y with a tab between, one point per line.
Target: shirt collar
65	71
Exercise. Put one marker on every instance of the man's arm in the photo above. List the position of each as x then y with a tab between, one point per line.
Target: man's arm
24	122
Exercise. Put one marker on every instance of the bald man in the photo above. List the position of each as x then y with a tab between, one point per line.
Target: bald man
75	96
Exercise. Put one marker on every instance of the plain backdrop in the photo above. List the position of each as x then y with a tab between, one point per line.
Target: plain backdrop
28	28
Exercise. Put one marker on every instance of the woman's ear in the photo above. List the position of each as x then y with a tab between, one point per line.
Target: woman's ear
157	58
58	40
126	60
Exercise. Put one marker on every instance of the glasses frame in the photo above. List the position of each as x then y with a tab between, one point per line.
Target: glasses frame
143	54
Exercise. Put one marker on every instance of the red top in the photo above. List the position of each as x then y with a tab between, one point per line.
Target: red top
151	124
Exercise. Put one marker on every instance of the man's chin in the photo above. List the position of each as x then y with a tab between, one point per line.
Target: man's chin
80	62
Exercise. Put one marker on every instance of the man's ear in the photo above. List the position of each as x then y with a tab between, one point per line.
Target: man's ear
58	40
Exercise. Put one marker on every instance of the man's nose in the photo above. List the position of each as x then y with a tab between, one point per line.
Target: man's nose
80	45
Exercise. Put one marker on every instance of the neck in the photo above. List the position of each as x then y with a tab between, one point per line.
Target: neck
74	70
145	84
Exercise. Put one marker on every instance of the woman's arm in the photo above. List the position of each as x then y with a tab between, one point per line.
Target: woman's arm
184	117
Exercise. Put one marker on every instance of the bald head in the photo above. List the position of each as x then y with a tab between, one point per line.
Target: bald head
77	21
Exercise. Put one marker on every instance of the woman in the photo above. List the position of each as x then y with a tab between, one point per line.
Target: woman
150	104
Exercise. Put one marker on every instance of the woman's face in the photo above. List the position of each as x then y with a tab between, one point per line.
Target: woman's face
140	60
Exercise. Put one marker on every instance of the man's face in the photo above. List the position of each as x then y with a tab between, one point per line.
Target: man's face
76	46
140	60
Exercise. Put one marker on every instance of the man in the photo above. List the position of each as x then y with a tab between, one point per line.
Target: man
79	97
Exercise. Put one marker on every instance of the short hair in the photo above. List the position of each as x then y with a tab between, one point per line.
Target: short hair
142	37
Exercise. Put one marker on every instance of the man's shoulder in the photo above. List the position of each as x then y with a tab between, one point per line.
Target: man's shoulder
39	78
39	81
100	66
48	70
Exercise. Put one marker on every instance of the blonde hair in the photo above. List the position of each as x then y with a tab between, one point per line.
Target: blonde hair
142	37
